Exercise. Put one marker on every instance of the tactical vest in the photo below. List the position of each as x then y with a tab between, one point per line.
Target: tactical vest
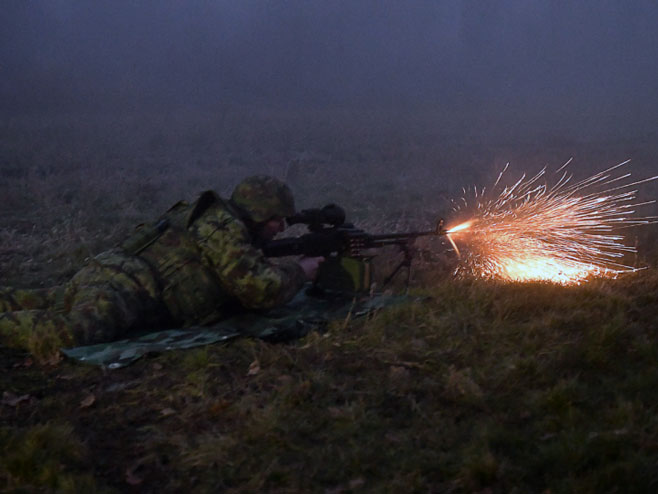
190	288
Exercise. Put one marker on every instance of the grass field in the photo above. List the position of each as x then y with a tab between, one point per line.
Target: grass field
484	387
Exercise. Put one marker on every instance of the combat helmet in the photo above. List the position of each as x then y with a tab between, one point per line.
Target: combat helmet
262	197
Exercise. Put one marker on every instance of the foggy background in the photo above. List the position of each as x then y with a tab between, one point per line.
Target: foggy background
450	90
586	67
110	111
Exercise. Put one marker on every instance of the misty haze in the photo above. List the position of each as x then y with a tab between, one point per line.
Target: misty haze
432	85
111	112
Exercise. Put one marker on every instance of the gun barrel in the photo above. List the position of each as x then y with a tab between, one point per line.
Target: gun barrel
403	236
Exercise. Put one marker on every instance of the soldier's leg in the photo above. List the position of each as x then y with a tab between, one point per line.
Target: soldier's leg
107	300
41	332
103	308
28	322
13	299
112	298
106	312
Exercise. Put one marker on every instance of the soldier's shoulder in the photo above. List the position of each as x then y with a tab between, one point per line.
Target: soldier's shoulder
209	203
212	210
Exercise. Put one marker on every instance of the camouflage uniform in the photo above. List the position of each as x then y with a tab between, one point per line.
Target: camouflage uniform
197	264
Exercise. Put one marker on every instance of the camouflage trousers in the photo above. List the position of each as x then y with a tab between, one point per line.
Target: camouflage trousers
111	298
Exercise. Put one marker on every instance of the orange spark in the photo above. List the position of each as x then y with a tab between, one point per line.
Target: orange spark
563	233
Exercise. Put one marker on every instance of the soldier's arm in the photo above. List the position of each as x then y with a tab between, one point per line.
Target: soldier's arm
242	269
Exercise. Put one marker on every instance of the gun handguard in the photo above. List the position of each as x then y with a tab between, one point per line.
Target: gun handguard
344	239
319	243
310	245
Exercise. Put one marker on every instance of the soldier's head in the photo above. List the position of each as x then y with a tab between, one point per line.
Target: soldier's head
264	203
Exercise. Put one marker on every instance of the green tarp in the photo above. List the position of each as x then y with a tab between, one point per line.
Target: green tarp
294	320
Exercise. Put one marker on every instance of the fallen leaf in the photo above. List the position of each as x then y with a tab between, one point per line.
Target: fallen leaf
398	373
394	437
254	368
27	363
218	407
334	490
336	412
13	400
88	401
357	482
131	475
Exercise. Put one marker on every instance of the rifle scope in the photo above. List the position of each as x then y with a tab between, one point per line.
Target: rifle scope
331	214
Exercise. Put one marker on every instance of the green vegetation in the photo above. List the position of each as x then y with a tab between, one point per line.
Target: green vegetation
484	387
44	456
513	388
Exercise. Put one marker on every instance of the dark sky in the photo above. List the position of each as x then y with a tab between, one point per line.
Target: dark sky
592	62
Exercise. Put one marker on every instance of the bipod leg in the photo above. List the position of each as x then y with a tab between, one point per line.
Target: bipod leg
406	262
408	277
390	277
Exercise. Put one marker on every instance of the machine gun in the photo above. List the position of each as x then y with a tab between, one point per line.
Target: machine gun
330	236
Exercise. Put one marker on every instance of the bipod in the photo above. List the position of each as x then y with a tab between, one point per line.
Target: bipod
406	262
